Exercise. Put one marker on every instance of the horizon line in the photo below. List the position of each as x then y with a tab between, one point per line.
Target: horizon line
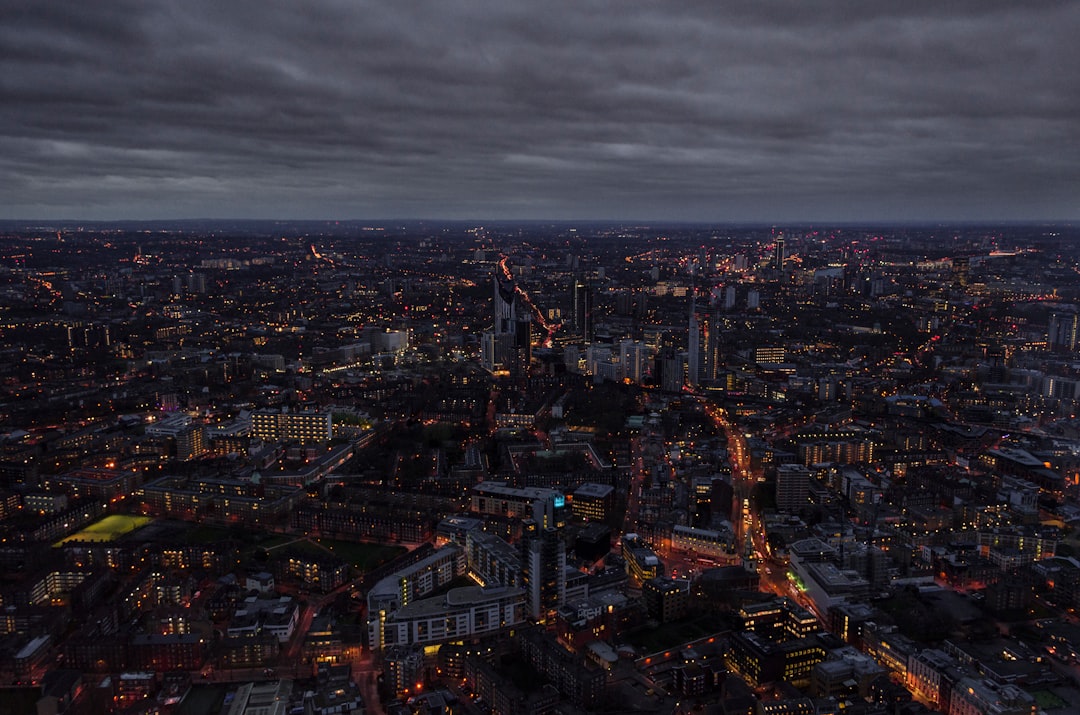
605	221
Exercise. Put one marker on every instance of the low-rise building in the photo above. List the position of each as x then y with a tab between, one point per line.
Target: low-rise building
466	612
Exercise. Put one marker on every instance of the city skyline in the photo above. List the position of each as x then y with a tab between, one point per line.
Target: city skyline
857	112
480	470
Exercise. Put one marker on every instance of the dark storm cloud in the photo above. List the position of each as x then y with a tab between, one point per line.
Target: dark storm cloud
739	110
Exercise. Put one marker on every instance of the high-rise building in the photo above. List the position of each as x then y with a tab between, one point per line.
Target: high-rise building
729	297
190	442
507	347
778	253
505	305
703	346
695	351
583	311
543	558
1062	331
792	488
633	356
670	370
961	266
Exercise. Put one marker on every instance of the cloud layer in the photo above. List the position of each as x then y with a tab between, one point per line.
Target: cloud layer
747	110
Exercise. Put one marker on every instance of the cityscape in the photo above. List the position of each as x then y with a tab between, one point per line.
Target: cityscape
532	467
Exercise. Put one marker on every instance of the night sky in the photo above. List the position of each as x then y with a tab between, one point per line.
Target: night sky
845	110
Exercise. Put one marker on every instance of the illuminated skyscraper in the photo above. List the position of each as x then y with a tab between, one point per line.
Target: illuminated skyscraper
507	348
778	254
703	346
505	305
695	355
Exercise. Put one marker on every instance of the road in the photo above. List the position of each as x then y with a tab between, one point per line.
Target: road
743	479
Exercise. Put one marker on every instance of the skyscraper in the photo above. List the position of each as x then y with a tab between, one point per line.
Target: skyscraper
505	305
778	253
703	346
695	355
633	356
583	311
507	347
543	561
669	370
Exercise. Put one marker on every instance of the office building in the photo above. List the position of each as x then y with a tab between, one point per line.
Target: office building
547	507
666	599
759	660
715	544
592	502
642	563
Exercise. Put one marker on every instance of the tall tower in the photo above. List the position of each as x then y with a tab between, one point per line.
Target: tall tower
521	346
695	352
544	568
505	306
632	357
669	370
583	311
703	346
778	253
507	347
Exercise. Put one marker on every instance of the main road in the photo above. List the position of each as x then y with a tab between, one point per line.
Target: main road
742	477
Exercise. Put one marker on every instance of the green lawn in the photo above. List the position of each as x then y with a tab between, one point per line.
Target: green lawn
1046	700
110	528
